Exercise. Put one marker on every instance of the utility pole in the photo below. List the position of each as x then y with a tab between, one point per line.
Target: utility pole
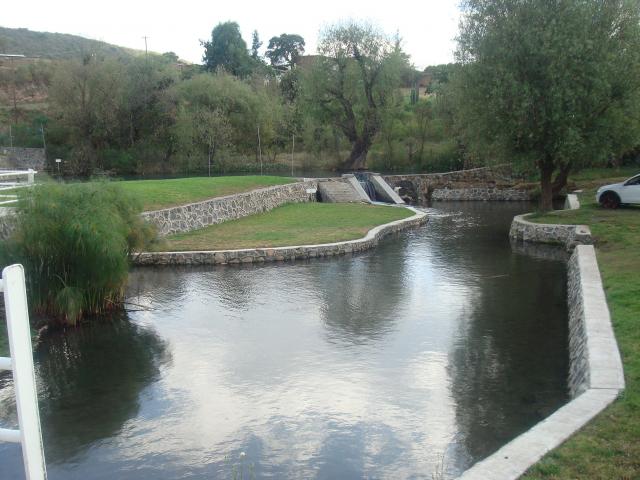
146	52
44	142
10	137
259	150
293	146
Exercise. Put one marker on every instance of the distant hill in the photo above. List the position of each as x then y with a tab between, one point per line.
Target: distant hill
56	45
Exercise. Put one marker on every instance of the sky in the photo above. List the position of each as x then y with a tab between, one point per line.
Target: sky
428	28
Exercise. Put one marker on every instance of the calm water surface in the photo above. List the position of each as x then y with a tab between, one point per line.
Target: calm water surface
435	348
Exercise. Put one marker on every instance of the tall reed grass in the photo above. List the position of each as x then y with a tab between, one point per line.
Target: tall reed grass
74	241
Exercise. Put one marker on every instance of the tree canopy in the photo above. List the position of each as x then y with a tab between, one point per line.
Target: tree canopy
551	84
285	49
227	50
355	80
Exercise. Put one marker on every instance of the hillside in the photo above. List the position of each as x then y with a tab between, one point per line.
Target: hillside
55	45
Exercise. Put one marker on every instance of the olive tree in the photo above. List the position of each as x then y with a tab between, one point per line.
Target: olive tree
355	79
551	84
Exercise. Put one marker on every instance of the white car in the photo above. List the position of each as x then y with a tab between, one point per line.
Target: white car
627	192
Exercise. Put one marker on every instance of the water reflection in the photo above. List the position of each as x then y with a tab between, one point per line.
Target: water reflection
352	308
90	386
376	365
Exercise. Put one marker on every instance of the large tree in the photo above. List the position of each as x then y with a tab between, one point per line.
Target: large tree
285	49
354	81
227	50
553	84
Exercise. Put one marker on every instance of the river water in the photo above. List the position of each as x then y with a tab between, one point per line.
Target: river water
425	354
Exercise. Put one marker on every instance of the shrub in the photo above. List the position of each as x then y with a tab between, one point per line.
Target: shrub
74	242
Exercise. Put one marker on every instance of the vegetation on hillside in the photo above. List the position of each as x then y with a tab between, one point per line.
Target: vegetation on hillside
26	42
240	113
74	242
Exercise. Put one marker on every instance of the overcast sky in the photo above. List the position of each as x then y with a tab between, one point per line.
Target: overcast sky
428	27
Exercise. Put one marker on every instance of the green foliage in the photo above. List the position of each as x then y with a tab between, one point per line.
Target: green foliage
439	76
147	115
285	49
551	84
227	50
234	112
255	45
354	82
109	104
74	241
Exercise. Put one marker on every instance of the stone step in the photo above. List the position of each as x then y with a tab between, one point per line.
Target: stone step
332	191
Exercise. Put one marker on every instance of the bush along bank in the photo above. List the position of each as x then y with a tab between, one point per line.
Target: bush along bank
74	242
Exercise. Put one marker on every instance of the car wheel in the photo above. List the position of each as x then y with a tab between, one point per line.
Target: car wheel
610	200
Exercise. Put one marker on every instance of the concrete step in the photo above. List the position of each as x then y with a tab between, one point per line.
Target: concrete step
332	191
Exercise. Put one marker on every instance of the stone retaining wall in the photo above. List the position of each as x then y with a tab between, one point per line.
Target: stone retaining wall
486	183
185	218
22	158
596	376
481	194
261	255
565	235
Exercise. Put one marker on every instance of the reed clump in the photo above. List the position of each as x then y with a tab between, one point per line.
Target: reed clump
74	241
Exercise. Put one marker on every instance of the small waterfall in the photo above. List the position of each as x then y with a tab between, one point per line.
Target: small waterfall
367	186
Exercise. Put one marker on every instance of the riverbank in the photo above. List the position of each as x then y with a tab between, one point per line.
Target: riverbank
313	225
292	224
607	447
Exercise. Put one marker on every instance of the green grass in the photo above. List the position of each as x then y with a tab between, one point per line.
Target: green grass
293	224
157	194
609	446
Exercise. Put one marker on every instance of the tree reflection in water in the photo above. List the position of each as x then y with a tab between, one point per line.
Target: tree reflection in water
106	366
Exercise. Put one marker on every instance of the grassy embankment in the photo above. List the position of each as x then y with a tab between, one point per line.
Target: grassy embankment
609	446
293	224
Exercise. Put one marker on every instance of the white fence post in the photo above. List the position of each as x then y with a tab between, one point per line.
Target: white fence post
24	380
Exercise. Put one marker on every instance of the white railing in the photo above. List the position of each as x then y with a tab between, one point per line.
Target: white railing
7	184
24	380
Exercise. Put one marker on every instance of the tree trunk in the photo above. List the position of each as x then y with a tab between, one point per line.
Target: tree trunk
546	188
358	157
561	179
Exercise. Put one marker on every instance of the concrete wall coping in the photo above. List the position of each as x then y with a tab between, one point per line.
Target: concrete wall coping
452	172
572	202
251	255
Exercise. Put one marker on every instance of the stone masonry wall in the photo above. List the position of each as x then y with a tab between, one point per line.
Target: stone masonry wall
579	362
481	194
22	158
555	234
261	255
486	183
185	218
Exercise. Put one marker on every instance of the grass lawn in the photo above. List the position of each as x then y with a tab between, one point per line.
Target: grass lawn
609	446
157	194
292	224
